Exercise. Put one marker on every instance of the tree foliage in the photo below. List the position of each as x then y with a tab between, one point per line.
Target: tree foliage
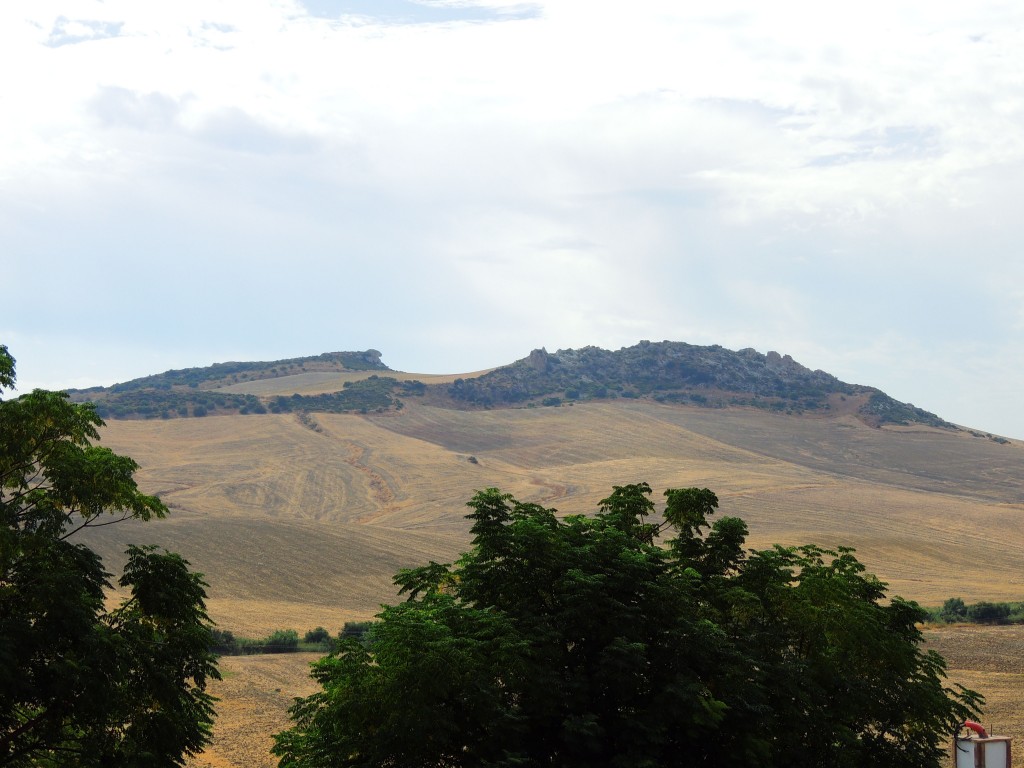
579	641
81	684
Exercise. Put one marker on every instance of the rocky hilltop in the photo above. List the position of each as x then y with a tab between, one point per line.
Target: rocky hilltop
676	372
667	371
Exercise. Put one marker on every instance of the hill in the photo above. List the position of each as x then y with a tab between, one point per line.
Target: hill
666	372
198	392
343	471
220	374
300	518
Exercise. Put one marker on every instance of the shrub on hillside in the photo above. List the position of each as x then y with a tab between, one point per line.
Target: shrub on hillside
988	613
954	609
985	612
318	635
279	641
358	630
223	642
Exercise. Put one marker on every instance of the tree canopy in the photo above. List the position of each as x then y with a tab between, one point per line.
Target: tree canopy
81	684
586	641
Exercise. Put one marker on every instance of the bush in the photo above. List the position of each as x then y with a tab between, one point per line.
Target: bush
357	630
318	635
279	641
282	641
984	612
224	642
953	610
988	613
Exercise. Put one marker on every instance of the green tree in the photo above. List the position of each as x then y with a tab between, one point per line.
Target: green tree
578	641
988	613
954	609
81	685
318	635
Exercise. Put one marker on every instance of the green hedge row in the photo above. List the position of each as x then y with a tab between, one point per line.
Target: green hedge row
286	640
955	610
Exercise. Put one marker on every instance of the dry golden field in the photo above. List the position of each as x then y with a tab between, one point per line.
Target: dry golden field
320	382
296	527
254	698
989	660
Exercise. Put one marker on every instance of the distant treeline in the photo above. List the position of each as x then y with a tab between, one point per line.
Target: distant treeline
173	404
376	393
955	611
286	640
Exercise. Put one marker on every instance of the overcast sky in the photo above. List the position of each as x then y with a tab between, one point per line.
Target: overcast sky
457	183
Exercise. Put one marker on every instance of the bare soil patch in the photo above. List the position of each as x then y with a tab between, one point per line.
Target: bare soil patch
254	698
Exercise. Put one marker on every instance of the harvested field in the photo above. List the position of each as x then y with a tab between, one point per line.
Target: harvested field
296	527
288	522
254	698
989	660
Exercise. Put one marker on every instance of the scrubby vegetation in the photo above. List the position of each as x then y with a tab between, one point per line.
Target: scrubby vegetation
317	640
164	404
955	610
675	372
279	641
376	393
188	392
889	411
358	630
225	373
373	394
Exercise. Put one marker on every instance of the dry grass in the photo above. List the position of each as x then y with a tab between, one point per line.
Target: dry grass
254	698
296	528
321	382
989	660
289	523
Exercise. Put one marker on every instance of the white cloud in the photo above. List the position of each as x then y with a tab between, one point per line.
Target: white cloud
800	177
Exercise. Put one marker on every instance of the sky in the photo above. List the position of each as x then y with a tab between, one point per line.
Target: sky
458	183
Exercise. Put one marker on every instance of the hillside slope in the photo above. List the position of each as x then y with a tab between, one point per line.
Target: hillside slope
302	519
